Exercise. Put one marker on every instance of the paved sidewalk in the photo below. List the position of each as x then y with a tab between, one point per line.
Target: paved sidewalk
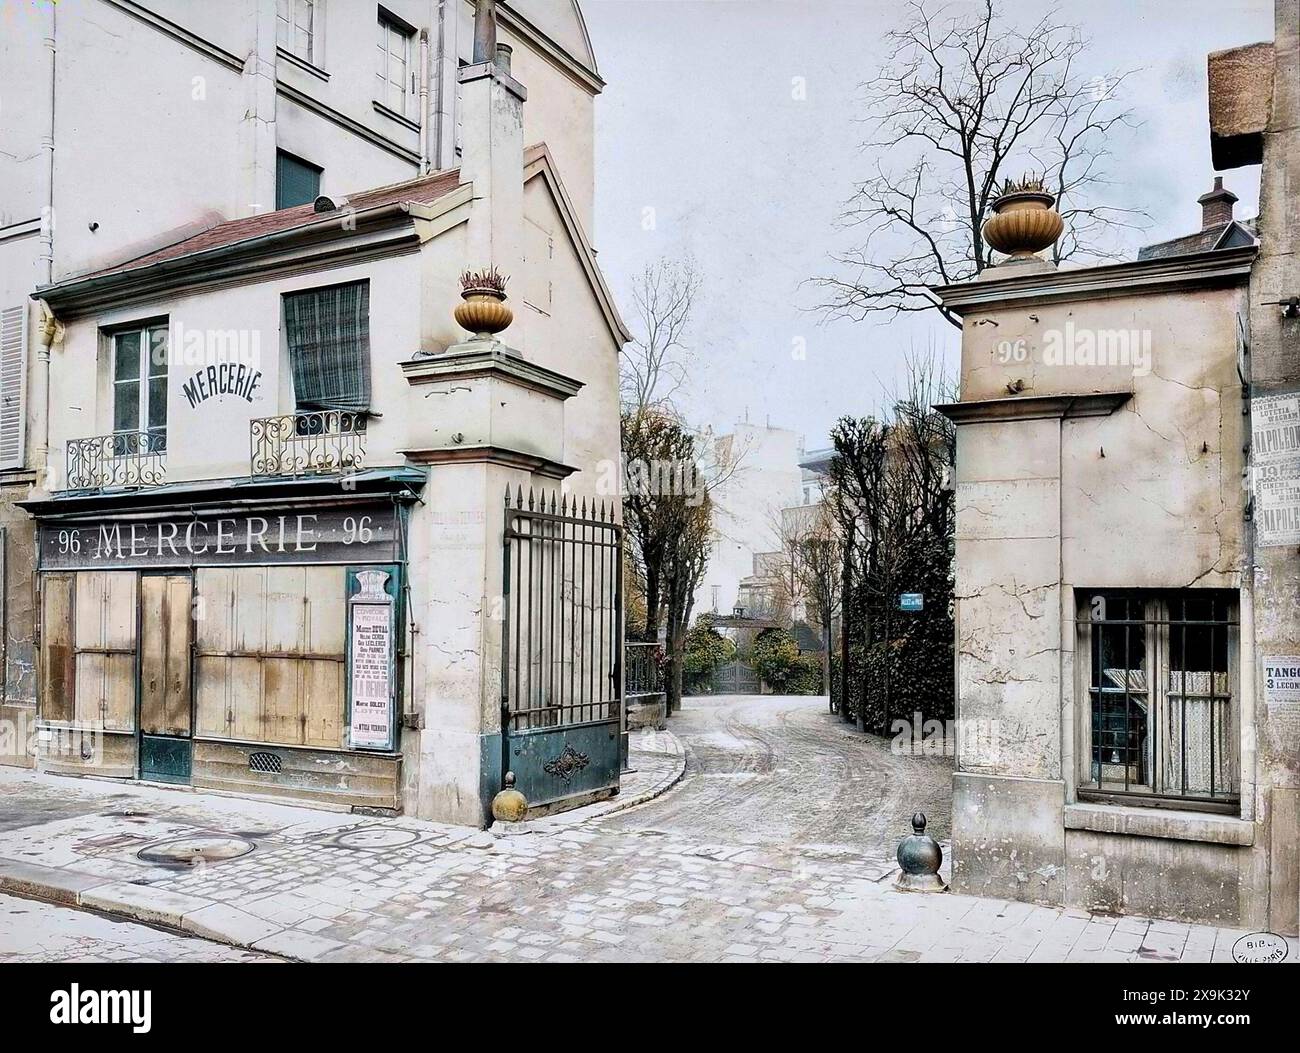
330	886
41	932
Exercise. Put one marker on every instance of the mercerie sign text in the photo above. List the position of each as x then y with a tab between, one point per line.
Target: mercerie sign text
227	378
325	535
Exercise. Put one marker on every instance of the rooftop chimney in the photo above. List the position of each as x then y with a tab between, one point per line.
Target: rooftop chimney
1216	206
492	157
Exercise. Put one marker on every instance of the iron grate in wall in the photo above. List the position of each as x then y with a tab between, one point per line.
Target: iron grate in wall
267	762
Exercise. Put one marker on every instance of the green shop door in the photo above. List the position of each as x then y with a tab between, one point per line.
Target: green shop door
166	716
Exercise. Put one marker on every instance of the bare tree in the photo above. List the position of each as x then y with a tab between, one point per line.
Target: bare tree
966	102
653	366
687	558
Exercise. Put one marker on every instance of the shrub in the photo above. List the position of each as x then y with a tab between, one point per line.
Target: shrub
706	650
783	668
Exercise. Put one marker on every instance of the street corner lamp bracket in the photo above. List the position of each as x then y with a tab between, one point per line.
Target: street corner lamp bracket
1290	306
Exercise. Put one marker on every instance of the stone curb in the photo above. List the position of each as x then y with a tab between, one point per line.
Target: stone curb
188	915
594	813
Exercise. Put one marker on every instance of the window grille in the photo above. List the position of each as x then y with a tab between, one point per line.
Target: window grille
1160	671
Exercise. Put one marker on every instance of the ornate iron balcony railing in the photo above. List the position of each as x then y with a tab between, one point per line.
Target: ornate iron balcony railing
121	458
319	442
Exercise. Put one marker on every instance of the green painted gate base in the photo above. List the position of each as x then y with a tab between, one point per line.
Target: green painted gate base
164	759
554	765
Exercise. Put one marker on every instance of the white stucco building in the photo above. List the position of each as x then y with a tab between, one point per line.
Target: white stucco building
264	466
1125	555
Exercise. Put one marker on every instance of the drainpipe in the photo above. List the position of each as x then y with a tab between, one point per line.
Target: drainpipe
439	58
47	144
49	328
424	102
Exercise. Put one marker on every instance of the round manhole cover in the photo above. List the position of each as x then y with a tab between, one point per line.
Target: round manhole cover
190	851
376	837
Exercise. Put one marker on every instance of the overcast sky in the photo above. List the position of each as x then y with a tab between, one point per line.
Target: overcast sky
698	123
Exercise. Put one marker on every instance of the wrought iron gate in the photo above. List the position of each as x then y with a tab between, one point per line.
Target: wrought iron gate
562	668
736	677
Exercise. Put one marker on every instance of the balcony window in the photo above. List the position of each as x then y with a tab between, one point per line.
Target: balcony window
295	28
140	388
1161	677
395	79
328	334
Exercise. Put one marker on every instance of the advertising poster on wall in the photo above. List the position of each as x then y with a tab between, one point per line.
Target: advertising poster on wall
371	658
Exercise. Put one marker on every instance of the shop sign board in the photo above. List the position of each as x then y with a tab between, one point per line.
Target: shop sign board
345	534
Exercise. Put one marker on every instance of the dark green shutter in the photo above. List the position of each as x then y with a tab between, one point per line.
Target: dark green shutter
296	182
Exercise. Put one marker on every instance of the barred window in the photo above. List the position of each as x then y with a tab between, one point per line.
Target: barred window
1161	684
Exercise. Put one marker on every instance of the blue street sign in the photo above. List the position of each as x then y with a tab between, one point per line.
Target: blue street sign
911	601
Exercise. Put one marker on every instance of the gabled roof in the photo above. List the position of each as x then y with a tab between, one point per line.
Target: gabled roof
538	162
1229	235
262	245
426	189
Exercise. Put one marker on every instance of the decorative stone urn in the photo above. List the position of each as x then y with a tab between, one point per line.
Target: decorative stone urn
1023	223
483	310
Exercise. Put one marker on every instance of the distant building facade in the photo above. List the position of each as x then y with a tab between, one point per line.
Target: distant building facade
760	465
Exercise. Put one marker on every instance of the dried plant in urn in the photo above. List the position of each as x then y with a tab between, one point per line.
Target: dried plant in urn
483	310
1023	221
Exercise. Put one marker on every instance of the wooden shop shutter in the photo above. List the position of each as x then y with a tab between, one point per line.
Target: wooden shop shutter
57	660
270	655
104	638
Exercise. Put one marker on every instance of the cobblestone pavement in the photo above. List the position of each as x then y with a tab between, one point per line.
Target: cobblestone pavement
782	876
41	932
784	771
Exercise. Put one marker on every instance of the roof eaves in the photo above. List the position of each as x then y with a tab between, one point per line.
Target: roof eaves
1131	277
80	294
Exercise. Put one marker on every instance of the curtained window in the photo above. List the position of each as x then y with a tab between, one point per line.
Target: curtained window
328	332
1161	687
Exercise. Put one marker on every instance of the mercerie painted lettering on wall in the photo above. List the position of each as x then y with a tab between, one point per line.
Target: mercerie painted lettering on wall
226	378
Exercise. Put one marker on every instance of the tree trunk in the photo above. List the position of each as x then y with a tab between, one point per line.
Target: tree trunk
826	648
652	602
846	600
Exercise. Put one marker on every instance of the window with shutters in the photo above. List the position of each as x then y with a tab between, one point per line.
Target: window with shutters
394	73
88	649
297	182
13	386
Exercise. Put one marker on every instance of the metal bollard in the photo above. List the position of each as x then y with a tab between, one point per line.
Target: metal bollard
509	806
919	859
